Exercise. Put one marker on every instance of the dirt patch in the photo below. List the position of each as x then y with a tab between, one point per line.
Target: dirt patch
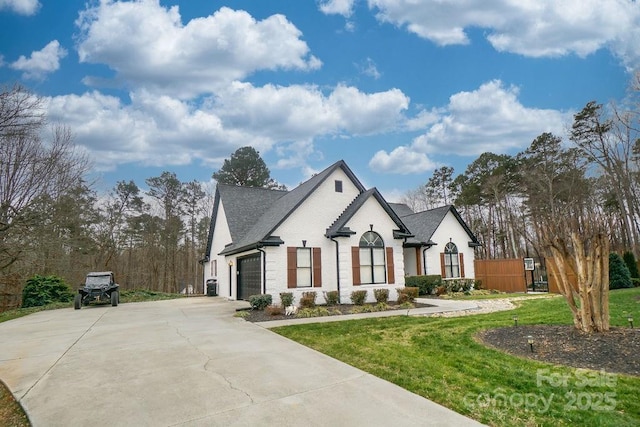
614	351
11	413
337	310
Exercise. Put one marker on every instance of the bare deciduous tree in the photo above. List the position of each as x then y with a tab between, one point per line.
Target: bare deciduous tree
30	167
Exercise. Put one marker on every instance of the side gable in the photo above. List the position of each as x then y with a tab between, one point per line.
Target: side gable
243	207
424	224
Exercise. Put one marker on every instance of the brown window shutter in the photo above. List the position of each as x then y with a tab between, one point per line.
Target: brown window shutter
418	262
355	264
317	268
292	264
442	270
391	271
462	265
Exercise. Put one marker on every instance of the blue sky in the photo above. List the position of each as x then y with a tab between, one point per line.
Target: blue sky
396	88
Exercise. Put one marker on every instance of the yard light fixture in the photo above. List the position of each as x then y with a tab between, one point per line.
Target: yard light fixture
515	320
231	263
530	342
630	320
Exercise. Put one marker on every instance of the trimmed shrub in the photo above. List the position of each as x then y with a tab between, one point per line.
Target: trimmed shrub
308	299
632	265
286	299
381	295
43	290
260	302
407	294
358	297
332	297
274	310
426	284
619	276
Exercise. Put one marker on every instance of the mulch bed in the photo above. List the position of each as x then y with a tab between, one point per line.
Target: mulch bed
262	316
614	351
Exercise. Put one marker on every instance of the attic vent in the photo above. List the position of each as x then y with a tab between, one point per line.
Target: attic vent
338	186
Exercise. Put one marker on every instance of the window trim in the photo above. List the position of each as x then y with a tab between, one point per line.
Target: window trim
450	250
315	265
299	269
374	243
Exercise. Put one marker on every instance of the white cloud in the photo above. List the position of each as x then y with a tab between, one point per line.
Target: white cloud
536	28
163	130
153	130
337	7
304	112
41	62
21	7
402	160
147	45
490	118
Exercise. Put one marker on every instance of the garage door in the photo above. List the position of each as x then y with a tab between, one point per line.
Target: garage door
249	276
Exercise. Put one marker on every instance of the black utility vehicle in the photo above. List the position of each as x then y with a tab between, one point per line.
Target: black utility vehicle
98	286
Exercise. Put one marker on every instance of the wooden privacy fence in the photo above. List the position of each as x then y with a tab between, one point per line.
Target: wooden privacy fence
505	275
509	275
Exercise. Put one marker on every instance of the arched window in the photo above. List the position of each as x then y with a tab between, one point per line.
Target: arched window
372	265
451	261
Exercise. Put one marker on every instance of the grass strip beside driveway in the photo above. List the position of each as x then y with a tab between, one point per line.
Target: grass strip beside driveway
439	358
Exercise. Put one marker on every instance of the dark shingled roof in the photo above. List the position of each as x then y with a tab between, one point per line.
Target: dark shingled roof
236	201
424	224
401	209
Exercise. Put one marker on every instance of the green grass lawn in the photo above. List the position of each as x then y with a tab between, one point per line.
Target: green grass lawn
438	358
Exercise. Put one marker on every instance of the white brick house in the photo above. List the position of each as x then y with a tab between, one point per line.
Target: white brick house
329	233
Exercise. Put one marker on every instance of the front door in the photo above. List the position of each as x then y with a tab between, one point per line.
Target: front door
249	276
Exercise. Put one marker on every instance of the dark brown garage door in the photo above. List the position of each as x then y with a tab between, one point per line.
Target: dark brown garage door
249	277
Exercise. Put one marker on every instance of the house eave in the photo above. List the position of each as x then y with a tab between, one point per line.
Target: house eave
343	232
268	241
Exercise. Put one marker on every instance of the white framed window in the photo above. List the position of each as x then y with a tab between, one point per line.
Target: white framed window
303	267
451	261
372	262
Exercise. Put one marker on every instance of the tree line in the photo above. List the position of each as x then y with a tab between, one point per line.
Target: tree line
503	197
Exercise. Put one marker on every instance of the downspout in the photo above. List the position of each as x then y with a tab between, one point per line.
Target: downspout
264	270
424	259
337	267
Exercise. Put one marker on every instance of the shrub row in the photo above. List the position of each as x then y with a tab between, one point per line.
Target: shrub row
308	299
426	284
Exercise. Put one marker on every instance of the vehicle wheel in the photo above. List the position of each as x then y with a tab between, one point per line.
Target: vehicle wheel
114	298
77	302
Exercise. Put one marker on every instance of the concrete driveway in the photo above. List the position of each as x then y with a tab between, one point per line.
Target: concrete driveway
189	362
